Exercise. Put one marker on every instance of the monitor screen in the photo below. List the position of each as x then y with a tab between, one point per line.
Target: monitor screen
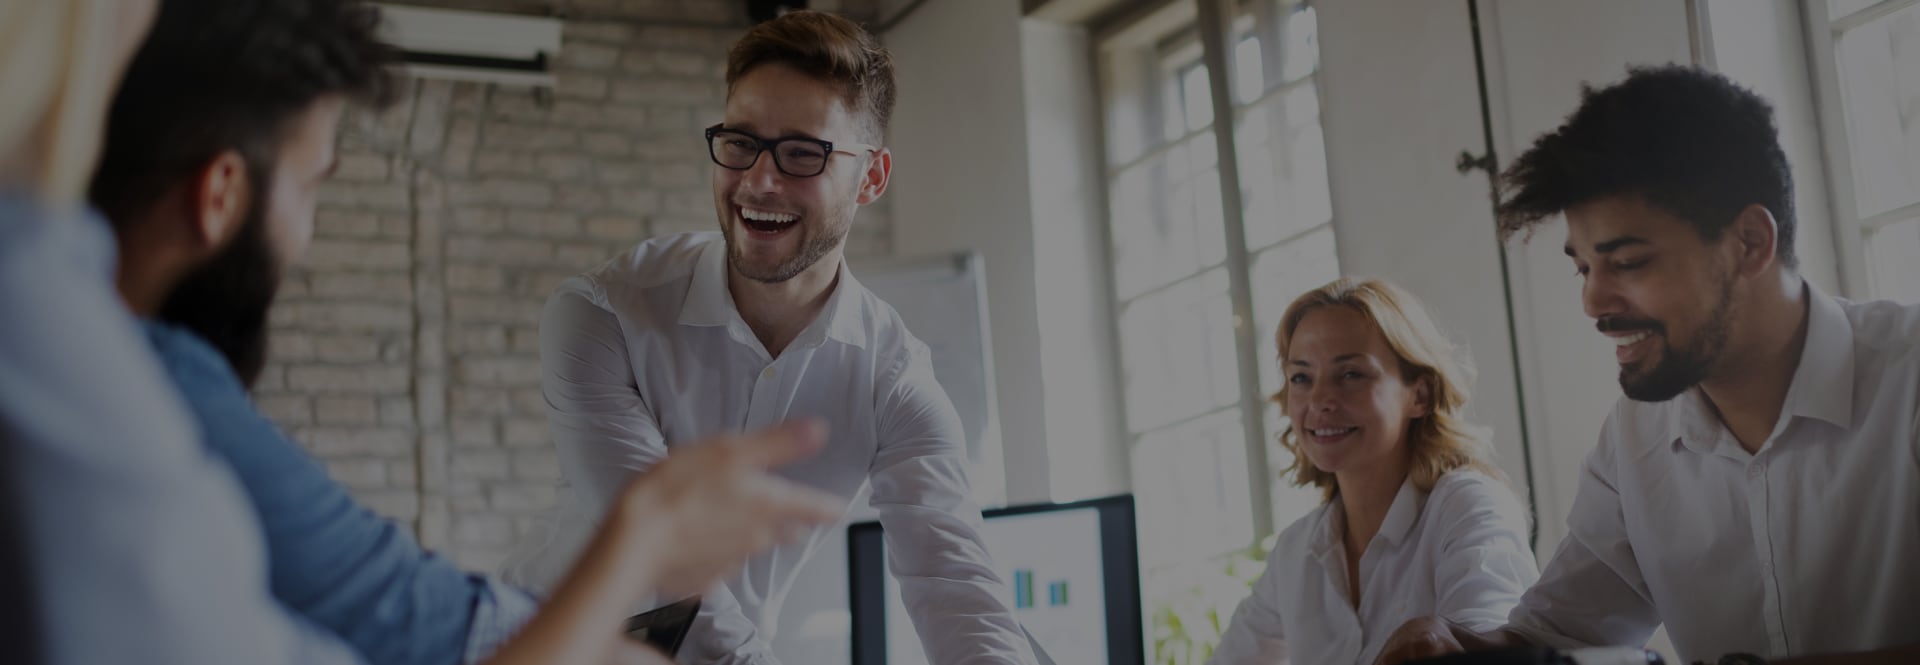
1071	573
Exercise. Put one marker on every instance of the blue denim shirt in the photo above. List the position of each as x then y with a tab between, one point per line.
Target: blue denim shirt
330	559
140	544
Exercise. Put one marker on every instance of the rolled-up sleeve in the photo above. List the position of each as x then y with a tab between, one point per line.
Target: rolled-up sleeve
499	612
605	433
932	527
1592	592
1484	563
602	428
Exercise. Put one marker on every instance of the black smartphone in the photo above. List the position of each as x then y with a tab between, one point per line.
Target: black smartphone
665	628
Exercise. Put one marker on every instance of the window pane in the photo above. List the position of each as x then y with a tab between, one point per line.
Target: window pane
1173	111
1166	217
1129	131
1283	167
1136	229
1141	87
1196	98
1879	65
1301	38
1177	353
1177	241
1190	482
1893	262
1202	153
1278	276
1209	221
1181	376
1249	73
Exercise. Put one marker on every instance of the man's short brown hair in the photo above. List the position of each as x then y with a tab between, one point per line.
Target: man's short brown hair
827	47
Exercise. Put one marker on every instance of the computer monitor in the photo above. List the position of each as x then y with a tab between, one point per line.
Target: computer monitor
1073	578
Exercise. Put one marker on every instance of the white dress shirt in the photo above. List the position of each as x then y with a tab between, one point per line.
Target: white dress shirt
1459	552
141	546
648	352
1810	546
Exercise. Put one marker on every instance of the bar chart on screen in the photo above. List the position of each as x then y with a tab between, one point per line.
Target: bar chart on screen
1051	567
1053	571
1023	591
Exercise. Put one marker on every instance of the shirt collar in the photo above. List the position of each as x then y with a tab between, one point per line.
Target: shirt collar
846	323
1822	387
1823	383
710	304
1407	505
708	301
1401	517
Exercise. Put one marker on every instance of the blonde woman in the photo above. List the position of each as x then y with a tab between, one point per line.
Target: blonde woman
1416	519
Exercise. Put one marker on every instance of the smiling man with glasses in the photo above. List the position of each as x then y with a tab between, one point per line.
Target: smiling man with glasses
698	334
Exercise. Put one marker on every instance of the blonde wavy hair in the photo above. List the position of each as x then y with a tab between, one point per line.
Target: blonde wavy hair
1438	442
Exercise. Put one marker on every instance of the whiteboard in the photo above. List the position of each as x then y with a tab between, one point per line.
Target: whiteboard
943	301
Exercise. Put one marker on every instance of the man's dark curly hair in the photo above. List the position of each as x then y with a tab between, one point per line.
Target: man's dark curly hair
217	75
1684	139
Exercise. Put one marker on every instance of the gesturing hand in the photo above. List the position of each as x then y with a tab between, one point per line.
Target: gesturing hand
712	504
1424	637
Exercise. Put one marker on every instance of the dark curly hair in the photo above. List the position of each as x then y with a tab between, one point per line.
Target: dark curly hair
1687	140
217	75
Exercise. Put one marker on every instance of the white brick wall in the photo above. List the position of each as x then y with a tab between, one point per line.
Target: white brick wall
405	346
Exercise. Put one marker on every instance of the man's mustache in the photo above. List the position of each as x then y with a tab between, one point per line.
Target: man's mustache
1613	324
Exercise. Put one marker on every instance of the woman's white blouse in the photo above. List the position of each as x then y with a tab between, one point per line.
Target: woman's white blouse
1459	552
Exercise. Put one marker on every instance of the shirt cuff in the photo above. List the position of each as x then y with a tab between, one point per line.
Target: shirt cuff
498	612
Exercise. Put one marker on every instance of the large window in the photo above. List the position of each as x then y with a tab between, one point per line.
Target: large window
1867	57
1202	272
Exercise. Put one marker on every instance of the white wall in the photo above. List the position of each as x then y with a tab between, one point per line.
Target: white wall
960	181
1072	281
996	150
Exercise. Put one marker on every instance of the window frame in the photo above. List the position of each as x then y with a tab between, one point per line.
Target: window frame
1218	26
1850	230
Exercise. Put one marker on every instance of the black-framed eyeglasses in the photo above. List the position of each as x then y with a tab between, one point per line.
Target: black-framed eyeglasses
799	157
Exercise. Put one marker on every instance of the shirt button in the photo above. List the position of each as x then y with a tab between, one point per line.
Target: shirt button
767	374
1756	471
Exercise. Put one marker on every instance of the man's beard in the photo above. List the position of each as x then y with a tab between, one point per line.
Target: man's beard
815	243
1678	369
226	300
